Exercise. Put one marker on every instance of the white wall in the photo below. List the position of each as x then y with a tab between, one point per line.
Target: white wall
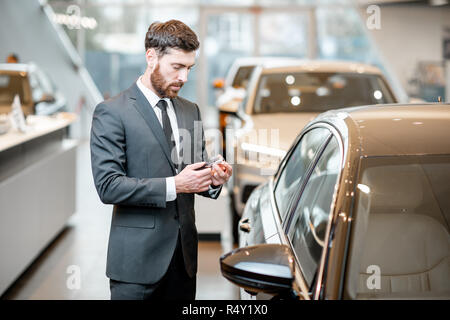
409	34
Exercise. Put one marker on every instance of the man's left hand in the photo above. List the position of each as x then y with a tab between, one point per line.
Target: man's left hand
220	173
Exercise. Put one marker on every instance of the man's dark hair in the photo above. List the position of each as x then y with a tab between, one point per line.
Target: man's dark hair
170	34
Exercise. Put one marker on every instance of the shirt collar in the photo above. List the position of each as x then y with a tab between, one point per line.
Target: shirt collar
149	94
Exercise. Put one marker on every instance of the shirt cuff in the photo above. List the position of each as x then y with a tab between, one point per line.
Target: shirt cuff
171	191
213	190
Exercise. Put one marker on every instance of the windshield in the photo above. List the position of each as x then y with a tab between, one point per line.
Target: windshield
319	91
402	218
10	85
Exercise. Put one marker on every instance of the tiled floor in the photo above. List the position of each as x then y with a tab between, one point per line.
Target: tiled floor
81	250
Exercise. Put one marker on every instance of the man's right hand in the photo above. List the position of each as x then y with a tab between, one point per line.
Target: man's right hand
192	180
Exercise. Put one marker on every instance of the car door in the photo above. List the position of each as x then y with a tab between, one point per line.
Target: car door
258	212
307	225
267	217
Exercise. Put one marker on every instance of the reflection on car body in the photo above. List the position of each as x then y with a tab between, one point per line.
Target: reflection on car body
359	204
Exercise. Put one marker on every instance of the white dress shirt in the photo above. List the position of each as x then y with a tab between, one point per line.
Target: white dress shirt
153	99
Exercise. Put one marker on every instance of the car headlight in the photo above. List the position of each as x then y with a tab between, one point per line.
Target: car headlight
261	156
263	150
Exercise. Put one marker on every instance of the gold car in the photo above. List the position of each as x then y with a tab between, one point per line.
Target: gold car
358	209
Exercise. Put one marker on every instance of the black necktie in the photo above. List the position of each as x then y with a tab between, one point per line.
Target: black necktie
167	128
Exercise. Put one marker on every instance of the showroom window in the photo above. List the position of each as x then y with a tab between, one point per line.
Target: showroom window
113	51
228	29
292	176
341	35
228	36
284	34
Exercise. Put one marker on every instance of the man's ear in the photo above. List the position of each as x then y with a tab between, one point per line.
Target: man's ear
152	58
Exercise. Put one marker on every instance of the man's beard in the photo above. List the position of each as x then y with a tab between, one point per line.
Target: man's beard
159	84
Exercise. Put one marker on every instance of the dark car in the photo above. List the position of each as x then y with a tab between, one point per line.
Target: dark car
358	209
38	95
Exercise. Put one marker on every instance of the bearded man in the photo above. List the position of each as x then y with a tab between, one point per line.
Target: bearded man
148	160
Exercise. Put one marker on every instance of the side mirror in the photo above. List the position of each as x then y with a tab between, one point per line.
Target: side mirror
267	268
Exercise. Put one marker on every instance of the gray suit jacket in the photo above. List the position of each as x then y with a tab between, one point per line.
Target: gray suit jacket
130	161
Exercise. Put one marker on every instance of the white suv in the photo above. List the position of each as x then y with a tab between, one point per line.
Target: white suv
280	102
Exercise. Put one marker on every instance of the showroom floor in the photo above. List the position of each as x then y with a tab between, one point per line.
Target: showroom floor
81	249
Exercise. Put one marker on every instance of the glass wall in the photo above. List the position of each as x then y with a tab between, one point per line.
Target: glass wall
341	35
284	34
228	36
113	51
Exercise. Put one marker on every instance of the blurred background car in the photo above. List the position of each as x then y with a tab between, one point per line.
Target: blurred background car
38	95
358	209
232	90
280	101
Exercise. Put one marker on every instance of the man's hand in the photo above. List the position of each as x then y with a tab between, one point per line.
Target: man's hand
220	173
192	180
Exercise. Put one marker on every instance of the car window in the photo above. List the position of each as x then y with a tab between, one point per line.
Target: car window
311	216
242	77
402	241
10	85
319	91
291	178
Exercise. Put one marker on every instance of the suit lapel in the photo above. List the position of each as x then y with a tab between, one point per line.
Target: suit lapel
181	125
144	108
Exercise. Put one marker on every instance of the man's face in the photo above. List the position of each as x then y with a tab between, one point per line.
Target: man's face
171	72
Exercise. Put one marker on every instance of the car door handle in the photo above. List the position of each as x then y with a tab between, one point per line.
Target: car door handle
244	225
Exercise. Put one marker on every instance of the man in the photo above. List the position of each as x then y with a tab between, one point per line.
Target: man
147	152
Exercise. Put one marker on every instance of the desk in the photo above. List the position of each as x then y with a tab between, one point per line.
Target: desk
37	191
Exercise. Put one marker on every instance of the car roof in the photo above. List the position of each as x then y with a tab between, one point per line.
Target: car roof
324	66
265	61
396	129
19	67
